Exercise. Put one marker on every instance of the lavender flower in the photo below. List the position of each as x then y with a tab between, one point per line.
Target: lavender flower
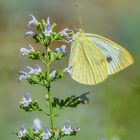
46	134
67	128
25	51
64	33
33	21
36	126
68	70
22	75
26	100
61	49
52	74
35	71
48	29
21	132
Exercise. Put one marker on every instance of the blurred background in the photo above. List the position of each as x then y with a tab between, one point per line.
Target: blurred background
114	109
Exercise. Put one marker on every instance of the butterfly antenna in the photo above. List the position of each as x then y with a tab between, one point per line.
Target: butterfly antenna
79	15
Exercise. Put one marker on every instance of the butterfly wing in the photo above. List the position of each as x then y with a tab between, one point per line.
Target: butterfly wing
117	57
88	62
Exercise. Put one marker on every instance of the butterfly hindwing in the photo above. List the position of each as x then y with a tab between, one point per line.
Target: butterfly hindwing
89	65
117	57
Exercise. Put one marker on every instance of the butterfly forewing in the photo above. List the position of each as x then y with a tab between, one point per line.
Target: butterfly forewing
88	63
117	57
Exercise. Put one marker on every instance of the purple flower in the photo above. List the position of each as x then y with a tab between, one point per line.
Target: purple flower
68	70
61	49
48	29
52	74
25	51
64	33
46	134
67	128
33	21
22	75
26	100
21	132
35	71
36	126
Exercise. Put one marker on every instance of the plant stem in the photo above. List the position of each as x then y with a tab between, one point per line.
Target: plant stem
51	109
49	95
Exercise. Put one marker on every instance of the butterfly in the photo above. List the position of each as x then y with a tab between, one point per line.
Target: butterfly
93	58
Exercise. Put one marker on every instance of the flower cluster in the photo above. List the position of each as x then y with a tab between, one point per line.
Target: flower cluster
45	133
43	32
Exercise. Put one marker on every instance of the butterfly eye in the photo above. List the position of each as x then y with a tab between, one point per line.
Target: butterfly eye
109	59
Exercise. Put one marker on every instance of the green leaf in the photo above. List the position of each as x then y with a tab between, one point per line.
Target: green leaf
72	101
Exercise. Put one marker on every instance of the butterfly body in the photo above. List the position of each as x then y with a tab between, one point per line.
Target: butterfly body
94	57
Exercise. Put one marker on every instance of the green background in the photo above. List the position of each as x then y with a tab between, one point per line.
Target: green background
114	109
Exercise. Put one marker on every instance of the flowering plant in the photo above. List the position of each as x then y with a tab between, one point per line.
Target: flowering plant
43	32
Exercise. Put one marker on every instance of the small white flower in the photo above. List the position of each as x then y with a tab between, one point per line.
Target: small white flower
26	100
52	74
22	75
25	51
46	134
68	70
33	21
36	126
67	128
61	49
21	132
48	29
36	70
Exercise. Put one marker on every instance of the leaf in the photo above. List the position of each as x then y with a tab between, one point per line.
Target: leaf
72	101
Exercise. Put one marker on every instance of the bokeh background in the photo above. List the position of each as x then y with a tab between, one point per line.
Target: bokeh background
114	109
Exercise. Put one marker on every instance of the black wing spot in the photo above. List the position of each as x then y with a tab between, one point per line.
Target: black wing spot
109	59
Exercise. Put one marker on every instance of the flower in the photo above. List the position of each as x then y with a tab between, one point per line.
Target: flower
67	128
21	132
36	126
61	49
46	134
52	74
68	70
26	100
35	71
48	29
64	33
22	75
33	21
25	51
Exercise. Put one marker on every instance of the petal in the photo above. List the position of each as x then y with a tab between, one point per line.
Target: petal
33	21
24	51
52	74
31	33
37	69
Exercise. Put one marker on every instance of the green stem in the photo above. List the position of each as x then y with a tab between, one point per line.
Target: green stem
51	109
49	96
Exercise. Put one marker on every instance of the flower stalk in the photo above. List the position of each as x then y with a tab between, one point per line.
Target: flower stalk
44	34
